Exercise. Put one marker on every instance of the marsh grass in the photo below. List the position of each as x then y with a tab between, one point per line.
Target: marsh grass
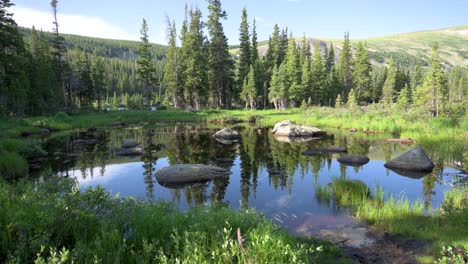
54	221
398	215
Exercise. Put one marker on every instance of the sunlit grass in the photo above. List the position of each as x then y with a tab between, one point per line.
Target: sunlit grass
53	217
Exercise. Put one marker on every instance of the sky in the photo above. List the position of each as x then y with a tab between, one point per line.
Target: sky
117	19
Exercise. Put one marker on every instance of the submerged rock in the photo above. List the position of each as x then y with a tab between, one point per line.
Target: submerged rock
227	133
288	128
130	152
294	139
321	150
414	160
129	143
410	173
189	173
407	141
85	142
354	160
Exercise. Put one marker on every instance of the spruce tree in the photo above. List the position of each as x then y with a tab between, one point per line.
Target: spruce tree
352	103
145	66
318	77
220	65
196	78
433	94
59	50
362	74
98	78
388	90
403	99
338	102
293	74
330	61
171	69
249	93
244	49
345	64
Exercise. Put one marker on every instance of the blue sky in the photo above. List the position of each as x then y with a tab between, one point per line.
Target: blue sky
362	18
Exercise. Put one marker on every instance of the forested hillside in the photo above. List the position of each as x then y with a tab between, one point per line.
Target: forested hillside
46	72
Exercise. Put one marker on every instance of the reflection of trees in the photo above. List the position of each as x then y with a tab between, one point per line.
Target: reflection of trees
149	159
358	145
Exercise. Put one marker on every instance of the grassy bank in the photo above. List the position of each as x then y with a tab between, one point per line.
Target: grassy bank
439	227
373	118
53	220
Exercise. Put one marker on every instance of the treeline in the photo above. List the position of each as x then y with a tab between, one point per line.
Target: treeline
42	73
294	73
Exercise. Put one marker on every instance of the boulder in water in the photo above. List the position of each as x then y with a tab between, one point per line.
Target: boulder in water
228	134
288	128
189	173
354	160
414	160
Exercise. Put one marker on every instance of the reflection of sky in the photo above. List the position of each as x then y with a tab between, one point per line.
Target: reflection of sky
128	180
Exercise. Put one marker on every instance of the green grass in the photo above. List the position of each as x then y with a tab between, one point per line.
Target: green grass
440	227
53	220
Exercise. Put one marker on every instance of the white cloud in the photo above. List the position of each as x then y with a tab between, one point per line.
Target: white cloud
70	24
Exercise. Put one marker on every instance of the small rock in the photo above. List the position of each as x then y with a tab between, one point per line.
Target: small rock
354	160
322	150
353	130
85	142
25	134
129	143
130	152
117	124
45	131
92	129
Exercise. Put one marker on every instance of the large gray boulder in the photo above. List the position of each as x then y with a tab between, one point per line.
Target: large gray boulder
227	133
288	128
414	160
189	173
354	160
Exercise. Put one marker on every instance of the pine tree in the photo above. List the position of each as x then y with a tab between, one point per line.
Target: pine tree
244	49
345	64
249	93
196	78
145	66
293	74
388	90
338	102
318	77
59	49
362	74
433	94
220	65
98	78
171	70
275	87
330	61
352	103
403	99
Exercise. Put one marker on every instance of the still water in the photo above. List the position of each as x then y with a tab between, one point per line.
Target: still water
272	176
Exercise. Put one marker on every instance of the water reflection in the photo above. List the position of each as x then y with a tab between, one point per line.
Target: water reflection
268	174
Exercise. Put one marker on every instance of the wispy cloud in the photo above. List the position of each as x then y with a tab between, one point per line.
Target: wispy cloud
70	24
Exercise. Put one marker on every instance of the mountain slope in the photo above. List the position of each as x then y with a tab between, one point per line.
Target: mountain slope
407	48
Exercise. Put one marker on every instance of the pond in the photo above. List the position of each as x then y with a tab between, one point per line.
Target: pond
269	175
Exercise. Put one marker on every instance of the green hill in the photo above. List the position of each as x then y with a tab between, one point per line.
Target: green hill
408	48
